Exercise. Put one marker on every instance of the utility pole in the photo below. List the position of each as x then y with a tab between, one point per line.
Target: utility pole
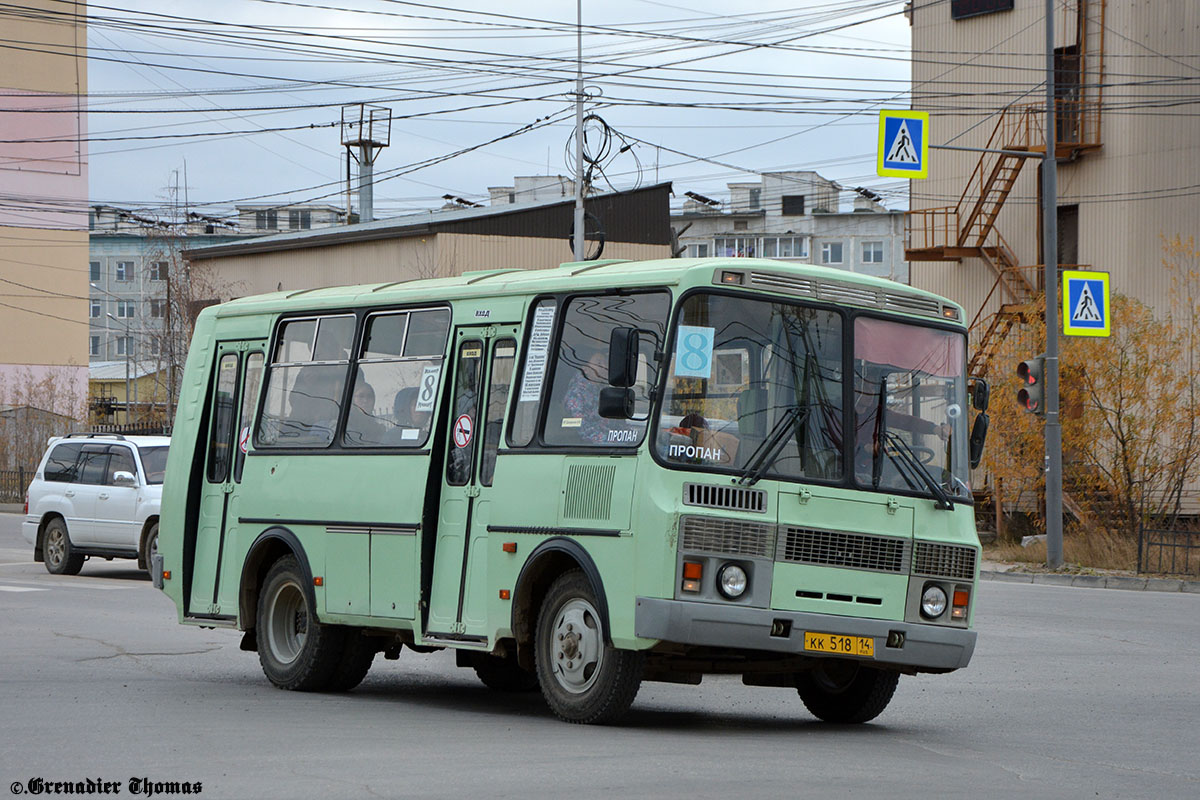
365	130
579	215
1053	429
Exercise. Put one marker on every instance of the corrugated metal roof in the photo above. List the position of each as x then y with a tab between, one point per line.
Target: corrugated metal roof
115	370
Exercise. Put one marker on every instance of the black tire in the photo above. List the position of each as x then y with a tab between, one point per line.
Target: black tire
149	548
296	651
503	674
583	679
57	553
358	652
846	691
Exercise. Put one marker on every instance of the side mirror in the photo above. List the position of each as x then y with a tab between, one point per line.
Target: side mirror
623	357
980	393
122	478
616	402
978	437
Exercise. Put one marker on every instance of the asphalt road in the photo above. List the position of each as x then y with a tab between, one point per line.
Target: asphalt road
1072	693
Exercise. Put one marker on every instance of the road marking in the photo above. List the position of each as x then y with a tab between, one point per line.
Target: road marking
21	589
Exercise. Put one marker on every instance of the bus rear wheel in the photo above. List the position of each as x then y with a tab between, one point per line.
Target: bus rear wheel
296	651
583	679
846	691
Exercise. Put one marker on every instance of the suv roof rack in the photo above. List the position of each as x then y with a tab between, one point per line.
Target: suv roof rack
93	436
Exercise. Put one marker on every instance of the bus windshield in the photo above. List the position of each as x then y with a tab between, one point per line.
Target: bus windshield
758	388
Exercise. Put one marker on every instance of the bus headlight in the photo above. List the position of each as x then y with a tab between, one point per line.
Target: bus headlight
732	581
933	602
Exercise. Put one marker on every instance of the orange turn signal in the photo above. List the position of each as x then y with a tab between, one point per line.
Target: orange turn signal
693	570
961	597
318	581
509	547
166	574
505	594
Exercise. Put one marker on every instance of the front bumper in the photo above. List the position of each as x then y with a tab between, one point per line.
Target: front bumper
740	628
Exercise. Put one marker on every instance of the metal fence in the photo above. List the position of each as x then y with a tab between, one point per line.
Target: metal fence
134	429
13	483
1169	552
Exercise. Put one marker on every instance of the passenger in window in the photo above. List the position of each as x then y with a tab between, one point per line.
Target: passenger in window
314	405
410	424
363	427
582	400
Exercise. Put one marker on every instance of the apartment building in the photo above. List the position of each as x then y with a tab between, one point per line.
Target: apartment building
795	216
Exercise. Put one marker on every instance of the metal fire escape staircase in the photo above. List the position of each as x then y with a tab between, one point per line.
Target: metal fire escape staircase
968	228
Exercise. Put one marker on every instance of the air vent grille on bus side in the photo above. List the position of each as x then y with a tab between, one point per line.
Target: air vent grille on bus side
944	561
837	549
732	498
727	536
588	493
913	304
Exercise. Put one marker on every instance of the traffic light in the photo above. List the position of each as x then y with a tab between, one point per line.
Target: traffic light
1032	394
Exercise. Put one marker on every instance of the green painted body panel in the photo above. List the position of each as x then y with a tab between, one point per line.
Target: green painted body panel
374	579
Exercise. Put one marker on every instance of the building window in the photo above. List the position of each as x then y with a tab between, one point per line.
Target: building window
125	309
94	346
697	250
872	252
158	309
158	271
831	253
785	247
793	205
755	199
155	346
267	220
124	346
299	220
94	270
124	270
95	312
736	246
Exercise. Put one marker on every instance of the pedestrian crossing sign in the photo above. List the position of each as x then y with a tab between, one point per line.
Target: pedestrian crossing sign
903	144
1086	307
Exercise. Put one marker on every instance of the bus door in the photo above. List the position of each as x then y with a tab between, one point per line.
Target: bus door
483	368
237	377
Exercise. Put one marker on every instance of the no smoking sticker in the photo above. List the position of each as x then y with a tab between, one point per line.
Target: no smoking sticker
462	431
244	439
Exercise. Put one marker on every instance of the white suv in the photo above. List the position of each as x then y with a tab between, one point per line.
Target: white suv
96	494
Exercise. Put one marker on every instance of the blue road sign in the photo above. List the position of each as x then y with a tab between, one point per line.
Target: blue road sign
903	144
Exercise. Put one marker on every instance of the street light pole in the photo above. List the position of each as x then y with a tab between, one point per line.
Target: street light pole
1053	431
128	342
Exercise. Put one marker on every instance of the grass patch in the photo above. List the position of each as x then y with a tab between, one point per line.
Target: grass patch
1095	549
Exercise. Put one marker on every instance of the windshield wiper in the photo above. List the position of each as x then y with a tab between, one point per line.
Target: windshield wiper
913	467
765	454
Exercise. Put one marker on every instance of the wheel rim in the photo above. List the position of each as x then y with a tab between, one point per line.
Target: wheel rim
577	649
287	623
55	546
152	550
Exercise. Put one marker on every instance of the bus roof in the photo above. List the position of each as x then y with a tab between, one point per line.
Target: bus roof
572	276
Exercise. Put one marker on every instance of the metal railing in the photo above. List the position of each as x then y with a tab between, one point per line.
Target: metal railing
1169	552
13	483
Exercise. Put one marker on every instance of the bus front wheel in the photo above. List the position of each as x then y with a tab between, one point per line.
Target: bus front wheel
296	651
583	679
846	691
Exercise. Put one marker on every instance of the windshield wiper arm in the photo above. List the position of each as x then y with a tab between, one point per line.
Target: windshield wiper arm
764	455
908	458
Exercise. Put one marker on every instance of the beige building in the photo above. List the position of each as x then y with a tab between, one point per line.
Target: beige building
1128	148
528	235
43	219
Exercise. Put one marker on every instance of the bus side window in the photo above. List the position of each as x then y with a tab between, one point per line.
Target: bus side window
503	354
221	429
305	382
250	386
465	419
537	357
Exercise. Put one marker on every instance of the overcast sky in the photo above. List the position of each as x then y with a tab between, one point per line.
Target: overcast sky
233	85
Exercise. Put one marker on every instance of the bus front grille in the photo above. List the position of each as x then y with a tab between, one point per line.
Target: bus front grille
726	536
846	550
733	498
944	561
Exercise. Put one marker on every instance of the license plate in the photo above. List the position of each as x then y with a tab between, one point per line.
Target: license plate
840	645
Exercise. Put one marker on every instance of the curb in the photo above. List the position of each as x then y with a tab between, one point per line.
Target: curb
1127	583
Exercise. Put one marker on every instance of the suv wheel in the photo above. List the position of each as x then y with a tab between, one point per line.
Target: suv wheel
59	557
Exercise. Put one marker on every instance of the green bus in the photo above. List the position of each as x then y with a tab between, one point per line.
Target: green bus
585	477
